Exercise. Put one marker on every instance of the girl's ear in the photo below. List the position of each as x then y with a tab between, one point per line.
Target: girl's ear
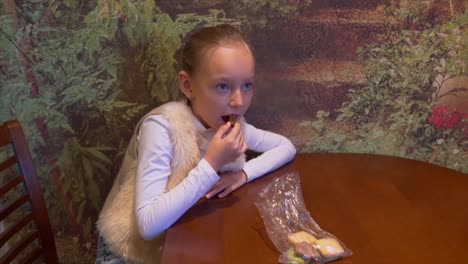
185	84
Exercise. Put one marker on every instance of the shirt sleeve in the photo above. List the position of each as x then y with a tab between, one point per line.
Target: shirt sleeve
157	209
276	151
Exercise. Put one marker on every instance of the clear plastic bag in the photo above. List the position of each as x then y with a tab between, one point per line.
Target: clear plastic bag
291	228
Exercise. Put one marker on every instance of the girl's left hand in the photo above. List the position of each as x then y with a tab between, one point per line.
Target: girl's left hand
227	183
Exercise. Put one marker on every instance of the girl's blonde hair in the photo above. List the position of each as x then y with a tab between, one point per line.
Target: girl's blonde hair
206	38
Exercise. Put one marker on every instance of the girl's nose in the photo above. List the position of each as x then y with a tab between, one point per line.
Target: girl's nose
236	98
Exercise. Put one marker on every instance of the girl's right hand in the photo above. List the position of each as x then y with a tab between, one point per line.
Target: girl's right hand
226	146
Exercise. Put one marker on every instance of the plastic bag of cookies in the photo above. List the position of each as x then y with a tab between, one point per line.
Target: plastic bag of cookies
292	229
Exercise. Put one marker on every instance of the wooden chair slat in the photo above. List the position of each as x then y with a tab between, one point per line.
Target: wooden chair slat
7	163
11	230
32	256
4	136
22	244
11	184
12	133
13	206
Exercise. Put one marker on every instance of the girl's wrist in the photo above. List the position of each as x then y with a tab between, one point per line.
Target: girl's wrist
246	179
212	163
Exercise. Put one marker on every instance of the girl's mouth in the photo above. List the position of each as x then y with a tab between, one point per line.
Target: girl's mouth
230	118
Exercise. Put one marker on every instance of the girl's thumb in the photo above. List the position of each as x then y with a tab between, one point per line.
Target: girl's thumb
223	130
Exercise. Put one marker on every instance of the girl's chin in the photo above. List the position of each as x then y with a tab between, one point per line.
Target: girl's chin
217	126
214	126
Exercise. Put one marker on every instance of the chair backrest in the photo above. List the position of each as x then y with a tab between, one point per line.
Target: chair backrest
26	234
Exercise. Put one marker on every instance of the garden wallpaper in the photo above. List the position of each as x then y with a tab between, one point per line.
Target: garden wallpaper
385	77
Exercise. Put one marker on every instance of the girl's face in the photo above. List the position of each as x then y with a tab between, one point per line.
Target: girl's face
221	85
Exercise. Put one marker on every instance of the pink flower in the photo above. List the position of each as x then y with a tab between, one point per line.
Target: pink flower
442	117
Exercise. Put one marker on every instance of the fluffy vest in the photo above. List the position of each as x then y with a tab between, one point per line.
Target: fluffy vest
117	220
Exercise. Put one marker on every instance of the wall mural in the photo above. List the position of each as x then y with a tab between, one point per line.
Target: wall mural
384	77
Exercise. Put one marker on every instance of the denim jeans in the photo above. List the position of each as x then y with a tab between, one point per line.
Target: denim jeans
105	256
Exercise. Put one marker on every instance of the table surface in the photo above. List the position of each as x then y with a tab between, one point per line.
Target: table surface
384	209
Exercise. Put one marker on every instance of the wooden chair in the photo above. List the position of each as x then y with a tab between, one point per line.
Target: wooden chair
28	234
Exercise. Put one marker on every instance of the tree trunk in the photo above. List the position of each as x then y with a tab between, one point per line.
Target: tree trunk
24	45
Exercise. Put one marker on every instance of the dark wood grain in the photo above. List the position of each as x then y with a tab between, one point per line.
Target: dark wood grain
385	209
12	239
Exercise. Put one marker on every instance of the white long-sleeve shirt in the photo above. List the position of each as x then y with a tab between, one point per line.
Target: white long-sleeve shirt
156	208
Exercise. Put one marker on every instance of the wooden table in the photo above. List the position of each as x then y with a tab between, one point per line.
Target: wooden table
385	209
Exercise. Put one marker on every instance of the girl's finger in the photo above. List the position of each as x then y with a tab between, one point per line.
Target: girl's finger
210	194
223	130
244	148
214	186
215	191
242	143
235	131
226	191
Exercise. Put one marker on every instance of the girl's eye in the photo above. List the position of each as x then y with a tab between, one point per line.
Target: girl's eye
222	87
248	86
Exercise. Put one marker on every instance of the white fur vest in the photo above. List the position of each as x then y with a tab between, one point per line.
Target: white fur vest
117	220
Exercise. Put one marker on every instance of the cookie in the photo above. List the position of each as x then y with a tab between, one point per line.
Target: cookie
232	120
301	236
306	250
329	247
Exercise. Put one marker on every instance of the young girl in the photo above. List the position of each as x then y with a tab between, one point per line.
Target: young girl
183	151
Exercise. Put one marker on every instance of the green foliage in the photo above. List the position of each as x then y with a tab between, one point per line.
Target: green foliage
262	14
158	58
410	12
82	116
154	35
403	78
258	14
422	14
404	73
91	166
320	123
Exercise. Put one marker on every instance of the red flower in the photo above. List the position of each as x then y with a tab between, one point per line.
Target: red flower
442	117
